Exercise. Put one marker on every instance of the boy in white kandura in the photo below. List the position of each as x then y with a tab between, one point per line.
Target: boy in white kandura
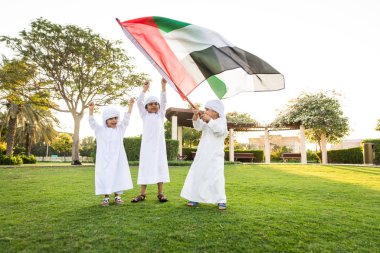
153	165
205	181
112	174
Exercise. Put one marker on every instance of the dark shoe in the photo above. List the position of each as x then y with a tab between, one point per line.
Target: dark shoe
139	198
161	197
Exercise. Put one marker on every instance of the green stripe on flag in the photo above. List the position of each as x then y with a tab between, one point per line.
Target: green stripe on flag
218	86
168	25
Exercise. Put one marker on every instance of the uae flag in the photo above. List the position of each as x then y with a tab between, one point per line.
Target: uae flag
187	55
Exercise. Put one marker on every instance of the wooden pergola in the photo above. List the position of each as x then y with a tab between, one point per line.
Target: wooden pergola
183	118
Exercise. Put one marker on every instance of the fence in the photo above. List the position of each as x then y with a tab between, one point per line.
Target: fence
55	158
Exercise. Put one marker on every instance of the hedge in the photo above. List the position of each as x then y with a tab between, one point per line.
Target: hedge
346	156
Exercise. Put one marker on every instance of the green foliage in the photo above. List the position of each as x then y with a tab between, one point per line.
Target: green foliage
277	151
28	159
377	148
240	118
87	146
63	144
319	113
10	160
378	125
345	156
132	148
172	149
312	157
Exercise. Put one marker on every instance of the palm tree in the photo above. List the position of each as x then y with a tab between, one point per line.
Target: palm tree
36	124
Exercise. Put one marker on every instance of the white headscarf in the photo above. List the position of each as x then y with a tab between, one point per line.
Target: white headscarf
110	112
217	106
151	99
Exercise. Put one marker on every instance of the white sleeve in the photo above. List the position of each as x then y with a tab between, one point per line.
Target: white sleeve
140	105
218	126
93	124
163	102
199	124
125	122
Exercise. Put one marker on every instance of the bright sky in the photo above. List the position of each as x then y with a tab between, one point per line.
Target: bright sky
316	44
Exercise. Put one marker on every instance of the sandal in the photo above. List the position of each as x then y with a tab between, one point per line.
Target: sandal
161	197
139	198
192	203
105	202
118	200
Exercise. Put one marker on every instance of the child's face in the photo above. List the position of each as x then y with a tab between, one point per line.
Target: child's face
153	107
112	122
213	114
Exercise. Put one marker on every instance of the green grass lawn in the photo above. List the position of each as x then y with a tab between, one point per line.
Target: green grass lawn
271	208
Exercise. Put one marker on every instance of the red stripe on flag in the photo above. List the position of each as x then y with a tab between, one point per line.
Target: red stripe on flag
147	34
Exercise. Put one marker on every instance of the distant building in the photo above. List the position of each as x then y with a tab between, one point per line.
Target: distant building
291	142
345	144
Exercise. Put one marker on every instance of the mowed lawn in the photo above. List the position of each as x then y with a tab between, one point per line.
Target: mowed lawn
271	208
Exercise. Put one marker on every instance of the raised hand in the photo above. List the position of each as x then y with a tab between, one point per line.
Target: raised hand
146	86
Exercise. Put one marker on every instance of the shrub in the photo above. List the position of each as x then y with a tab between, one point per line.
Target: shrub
28	159
346	156
13	160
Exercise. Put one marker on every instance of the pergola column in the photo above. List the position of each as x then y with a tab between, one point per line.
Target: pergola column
180	140
174	127
232	158
303	145
266	146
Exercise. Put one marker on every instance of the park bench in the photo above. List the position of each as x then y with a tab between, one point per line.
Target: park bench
290	156
238	156
244	157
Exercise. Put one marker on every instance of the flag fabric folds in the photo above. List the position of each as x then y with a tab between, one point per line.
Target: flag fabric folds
188	55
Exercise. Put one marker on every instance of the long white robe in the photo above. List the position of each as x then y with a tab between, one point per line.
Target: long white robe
153	165
205	181
112	172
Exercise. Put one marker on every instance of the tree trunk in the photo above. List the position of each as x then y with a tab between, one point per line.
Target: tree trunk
10	136
75	149
28	140
324	148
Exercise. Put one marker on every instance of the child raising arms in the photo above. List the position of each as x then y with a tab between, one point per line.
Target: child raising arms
112	174
153	165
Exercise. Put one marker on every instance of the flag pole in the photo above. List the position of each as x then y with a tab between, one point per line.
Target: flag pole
152	61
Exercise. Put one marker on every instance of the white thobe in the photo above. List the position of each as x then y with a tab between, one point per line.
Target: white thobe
205	181
112	172
153	165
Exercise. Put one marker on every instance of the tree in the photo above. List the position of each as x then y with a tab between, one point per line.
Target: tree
37	125
78	66
20	93
62	144
378	125
319	113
